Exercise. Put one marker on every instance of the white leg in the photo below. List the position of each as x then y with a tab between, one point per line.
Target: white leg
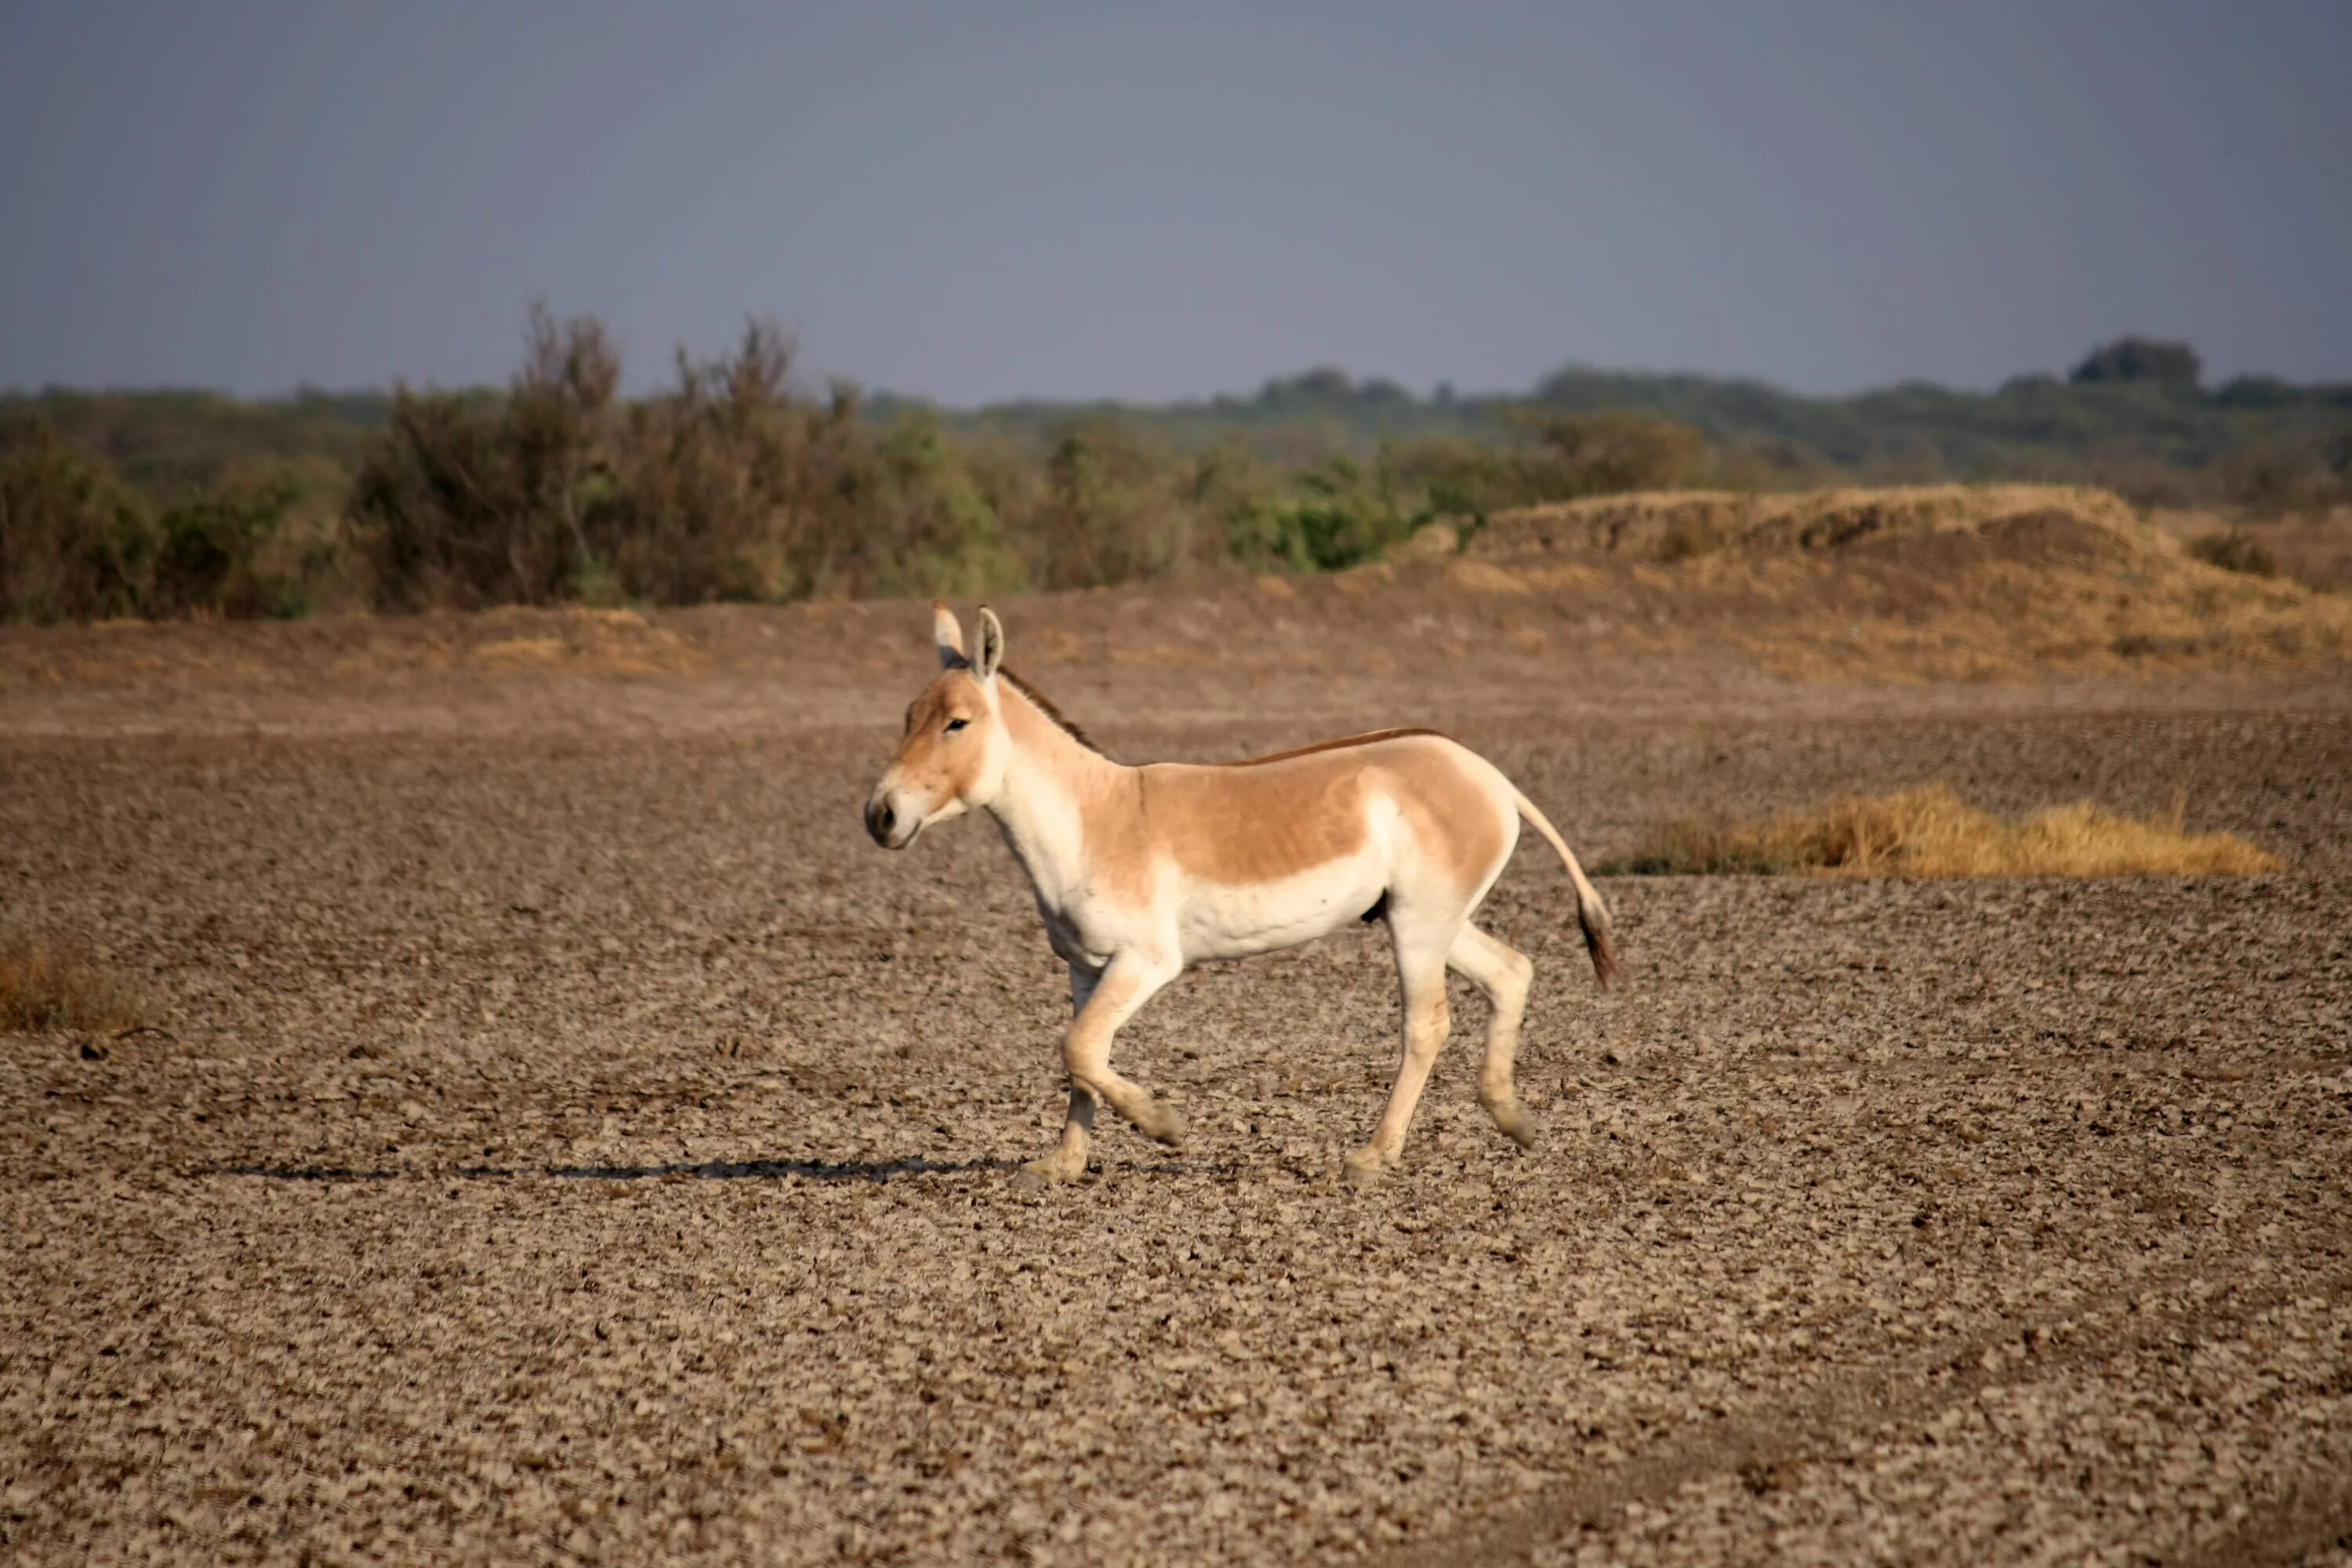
1421	949
1504	975
1108	1000
1067	1163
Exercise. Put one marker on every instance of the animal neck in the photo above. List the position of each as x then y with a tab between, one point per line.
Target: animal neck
1053	783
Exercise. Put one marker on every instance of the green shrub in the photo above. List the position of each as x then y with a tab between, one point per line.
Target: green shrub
1558	458
1345	515
212	556
1114	510
75	543
730	483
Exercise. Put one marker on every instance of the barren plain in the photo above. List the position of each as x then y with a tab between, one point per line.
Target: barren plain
570	1140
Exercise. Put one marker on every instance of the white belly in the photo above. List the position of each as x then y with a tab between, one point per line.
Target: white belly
1220	921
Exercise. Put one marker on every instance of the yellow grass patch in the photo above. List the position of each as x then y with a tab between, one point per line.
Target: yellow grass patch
521	651
47	983
1430	542
589	642
1932	833
1486	577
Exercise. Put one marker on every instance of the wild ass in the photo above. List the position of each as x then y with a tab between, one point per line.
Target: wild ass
1141	871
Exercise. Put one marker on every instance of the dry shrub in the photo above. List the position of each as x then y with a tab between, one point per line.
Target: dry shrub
1931	832
2313	548
2235	549
49	984
469	500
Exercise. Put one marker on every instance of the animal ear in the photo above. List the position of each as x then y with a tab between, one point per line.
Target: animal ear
948	634
992	644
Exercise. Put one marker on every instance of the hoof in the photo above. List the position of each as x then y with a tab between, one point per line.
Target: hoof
1038	1174
1512	1118
1162	1125
1363	1168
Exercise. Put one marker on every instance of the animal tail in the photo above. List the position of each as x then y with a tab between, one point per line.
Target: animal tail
1590	912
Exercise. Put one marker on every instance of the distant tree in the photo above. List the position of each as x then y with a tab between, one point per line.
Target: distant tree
1324	382
2141	359
210	548
1606	453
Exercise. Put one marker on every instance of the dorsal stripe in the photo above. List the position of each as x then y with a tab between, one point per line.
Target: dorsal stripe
1054	716
1344	741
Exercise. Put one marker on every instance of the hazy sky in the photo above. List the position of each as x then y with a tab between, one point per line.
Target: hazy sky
978	201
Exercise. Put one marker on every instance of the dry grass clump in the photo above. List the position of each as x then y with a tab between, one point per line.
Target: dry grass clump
51	984
2312	548
2235	549
1931	832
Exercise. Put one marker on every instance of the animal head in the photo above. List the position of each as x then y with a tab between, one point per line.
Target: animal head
953	754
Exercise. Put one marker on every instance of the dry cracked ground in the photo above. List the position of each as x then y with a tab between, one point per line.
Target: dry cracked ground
573	1141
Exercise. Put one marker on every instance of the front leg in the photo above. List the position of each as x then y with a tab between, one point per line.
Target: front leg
1067	1163
1103	1002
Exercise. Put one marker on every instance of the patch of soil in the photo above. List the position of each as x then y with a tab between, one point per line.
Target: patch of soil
575	1139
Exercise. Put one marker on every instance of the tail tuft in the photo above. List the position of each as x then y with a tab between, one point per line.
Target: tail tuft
1590	912
1598	941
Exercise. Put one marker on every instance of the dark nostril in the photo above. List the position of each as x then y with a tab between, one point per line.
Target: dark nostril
879	819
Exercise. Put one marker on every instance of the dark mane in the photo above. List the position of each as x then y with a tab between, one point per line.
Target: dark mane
1045	704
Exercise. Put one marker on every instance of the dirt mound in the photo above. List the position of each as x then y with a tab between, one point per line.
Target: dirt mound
1669	526
1945	581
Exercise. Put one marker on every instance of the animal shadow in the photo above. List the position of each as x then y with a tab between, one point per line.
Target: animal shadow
873	1171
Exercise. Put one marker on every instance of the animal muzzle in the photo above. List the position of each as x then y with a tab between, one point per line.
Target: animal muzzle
891	826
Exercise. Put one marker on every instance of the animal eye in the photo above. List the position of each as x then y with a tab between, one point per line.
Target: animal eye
955	724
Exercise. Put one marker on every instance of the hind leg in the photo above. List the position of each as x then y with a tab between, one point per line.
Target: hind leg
1421	949
1504	975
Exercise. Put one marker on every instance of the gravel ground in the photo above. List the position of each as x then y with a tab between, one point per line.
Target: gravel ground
580	1144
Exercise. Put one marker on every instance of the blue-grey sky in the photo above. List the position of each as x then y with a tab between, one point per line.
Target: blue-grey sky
975	201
